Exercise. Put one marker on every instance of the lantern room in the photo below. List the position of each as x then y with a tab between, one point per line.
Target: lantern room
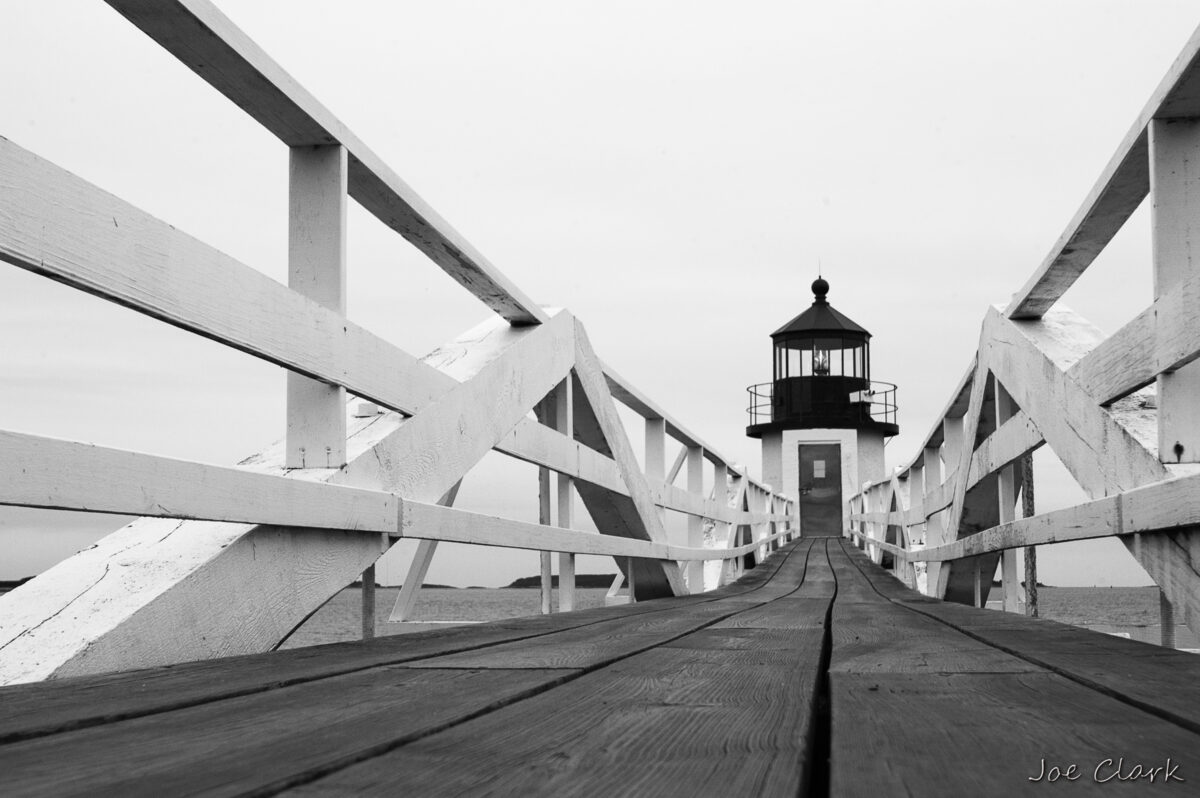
821	376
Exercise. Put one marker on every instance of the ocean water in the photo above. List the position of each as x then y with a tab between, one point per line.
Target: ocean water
436	608
1125	611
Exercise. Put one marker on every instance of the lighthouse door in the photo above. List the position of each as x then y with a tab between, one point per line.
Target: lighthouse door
821	489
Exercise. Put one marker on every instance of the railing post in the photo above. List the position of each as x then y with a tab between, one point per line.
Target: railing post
631	580
1027	511
978	585
563	412
368	603
695	524
656	455
1175	226
1166	620
545	412
316	411
916	519
932	481
1007	498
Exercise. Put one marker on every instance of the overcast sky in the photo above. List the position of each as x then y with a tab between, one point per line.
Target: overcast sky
669	172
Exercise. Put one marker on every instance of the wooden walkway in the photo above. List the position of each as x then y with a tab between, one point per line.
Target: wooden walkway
817	673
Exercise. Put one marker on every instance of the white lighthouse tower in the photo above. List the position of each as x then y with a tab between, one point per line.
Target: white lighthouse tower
821	419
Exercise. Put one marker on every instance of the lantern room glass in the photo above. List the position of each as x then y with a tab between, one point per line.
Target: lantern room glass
822	356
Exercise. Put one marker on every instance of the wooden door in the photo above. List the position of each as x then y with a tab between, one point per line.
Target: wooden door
820	489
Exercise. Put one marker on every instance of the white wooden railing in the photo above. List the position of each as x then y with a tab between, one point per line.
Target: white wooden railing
231	560
1121	412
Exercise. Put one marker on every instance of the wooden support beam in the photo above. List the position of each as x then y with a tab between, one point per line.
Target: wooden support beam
418	568
368	602
413	580
1175	225
563	418
434	521
677	465
67	475
316	411
695	538
547	411
1007	495
1028	510
635	516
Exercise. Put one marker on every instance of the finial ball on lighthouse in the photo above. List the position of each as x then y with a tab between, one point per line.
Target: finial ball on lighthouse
820	288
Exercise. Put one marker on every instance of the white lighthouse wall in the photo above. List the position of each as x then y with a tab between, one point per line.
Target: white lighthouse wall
862	453
870	460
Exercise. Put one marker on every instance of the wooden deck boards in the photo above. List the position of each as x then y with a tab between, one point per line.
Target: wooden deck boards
817	673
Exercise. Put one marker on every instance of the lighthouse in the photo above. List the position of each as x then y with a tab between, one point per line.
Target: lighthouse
822	420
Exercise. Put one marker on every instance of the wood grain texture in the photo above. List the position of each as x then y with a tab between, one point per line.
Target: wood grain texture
668	721
44	472
986	733
605	642
282	736
316	418
1161	680
207	42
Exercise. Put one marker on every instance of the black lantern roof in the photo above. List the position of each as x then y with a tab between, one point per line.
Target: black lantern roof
820	320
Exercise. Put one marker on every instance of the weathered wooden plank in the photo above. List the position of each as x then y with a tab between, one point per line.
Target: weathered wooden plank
436	522
673	720
667	722
1159	339
66	475
418	567
1163	681
279	737
872	635
1007	443
441	443
987	734
608	641
208	43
